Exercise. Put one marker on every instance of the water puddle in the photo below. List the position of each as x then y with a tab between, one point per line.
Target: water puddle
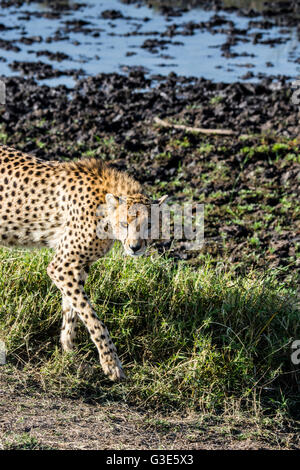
109	36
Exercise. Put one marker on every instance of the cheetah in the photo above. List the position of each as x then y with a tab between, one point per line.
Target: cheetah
78	209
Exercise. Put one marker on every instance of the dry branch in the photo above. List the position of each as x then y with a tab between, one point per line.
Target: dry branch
201	130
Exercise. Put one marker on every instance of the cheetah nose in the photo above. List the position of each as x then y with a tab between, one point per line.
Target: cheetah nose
136	247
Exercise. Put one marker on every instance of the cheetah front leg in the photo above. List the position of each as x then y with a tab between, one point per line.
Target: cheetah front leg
69	326
68	280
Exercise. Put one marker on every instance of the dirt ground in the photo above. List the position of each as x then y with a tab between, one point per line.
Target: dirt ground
41	422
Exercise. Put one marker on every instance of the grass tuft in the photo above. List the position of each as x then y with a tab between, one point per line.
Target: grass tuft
197	339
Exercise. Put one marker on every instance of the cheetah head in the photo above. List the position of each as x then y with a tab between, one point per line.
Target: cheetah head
129	220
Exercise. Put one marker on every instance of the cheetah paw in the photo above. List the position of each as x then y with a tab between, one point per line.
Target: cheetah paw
114	372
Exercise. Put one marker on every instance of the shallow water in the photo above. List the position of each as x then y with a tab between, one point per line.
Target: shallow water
115	45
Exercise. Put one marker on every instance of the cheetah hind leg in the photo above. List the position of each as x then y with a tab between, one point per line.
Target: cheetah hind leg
69	327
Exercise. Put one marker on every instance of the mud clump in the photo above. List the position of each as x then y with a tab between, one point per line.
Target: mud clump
41	70
111	14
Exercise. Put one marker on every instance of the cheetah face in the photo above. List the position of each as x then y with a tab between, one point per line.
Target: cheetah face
129	219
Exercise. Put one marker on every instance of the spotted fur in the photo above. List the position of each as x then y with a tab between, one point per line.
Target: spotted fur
56	204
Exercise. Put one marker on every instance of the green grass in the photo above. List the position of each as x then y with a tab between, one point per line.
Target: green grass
189	338
22	442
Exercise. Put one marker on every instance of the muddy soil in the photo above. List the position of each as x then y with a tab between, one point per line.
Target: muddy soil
249	182
283	12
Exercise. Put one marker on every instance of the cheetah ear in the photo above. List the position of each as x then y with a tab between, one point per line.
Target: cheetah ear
113	201
161	200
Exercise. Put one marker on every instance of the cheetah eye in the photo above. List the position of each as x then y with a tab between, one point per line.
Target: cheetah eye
124	224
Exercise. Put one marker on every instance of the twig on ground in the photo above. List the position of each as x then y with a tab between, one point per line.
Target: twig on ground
163	123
